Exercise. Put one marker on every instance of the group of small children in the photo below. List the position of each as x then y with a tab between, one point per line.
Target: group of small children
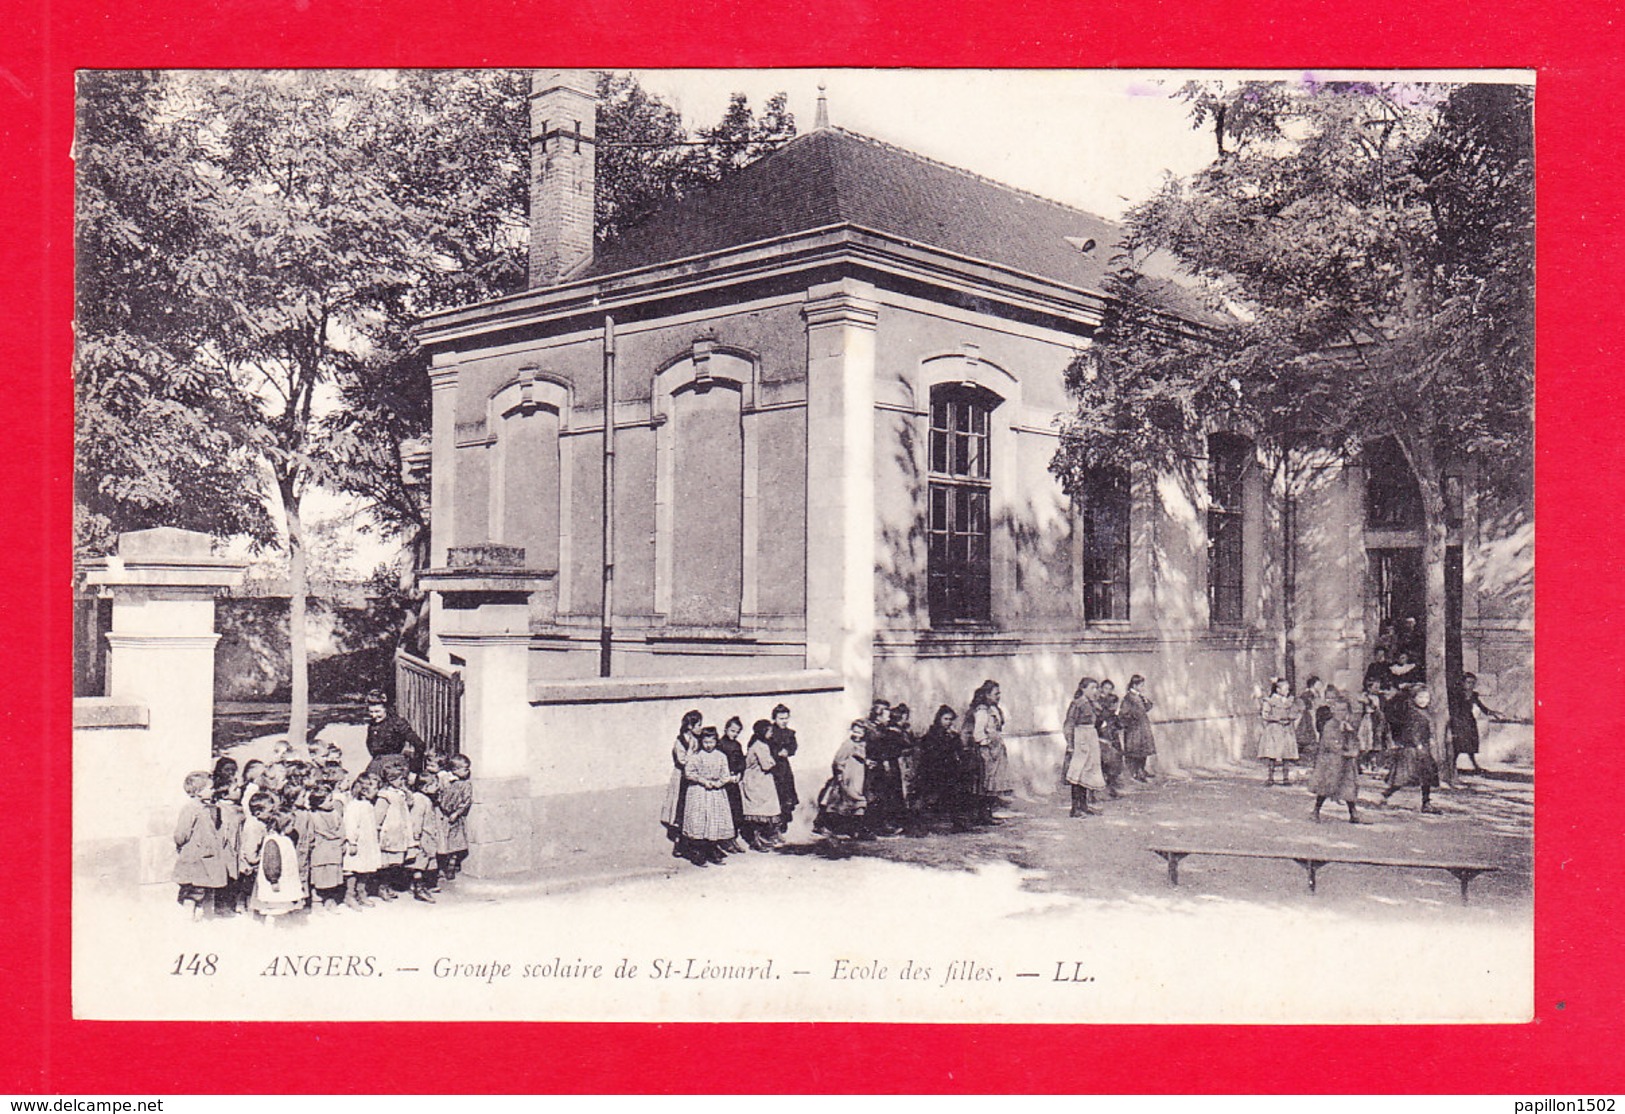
293	834
728	795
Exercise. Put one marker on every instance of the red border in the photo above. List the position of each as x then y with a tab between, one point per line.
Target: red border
1579	991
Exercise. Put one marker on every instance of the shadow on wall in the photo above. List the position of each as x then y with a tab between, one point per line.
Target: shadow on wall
1205	688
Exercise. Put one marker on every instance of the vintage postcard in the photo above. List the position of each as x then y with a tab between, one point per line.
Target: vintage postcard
846	545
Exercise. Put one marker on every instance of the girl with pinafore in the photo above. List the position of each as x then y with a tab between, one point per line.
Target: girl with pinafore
671	812
984	728
1311	715
278	889
361	855
1278	739
707	818
1337	763
1375	739
1139	744
758	792
1081	766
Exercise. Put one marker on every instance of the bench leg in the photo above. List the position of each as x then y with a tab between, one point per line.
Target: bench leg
1464	877
1310	865
1172	858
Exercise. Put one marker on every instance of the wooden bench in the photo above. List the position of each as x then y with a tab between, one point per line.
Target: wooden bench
1312	861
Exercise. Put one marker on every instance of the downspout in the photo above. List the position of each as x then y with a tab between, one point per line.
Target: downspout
606	632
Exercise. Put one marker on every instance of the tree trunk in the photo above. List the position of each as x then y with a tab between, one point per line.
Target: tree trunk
1430	482
1289	583
298	597
1433	552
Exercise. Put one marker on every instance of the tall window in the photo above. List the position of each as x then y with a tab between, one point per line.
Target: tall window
958	562
1227	466
1393	501
1105	545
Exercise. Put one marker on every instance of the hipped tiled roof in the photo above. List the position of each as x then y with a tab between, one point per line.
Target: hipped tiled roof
835	177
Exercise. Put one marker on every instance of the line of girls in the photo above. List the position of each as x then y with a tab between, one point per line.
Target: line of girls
1346	734
726	794
295	835
1106	738
886	781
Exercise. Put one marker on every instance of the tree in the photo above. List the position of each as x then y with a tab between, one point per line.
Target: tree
646	158
157	437
256	250
1366	256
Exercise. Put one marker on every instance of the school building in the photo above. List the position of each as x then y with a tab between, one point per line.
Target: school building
789	440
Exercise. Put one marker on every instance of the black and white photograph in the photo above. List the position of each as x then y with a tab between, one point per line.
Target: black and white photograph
804	545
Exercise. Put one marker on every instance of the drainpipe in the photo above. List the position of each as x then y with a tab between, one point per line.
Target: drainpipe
606	632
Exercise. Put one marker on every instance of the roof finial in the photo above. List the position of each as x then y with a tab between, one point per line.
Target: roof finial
822	119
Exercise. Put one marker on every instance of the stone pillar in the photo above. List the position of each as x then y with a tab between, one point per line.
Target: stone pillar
160	658
483	625
842	318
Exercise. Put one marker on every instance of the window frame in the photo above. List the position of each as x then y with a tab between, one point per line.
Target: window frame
1226	523
1100	484
959	505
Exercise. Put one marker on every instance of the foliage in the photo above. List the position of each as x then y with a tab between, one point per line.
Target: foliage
1364	253
158	438
1370	248
646	159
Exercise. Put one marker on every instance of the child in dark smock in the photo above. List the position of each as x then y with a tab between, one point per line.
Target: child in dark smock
783	742
707	818
455	800
200	864
327	847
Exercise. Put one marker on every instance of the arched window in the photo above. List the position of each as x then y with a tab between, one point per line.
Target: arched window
1227	456
1105	514
1393	501
958	563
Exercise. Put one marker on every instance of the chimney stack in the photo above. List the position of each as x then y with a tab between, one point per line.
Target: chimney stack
563	143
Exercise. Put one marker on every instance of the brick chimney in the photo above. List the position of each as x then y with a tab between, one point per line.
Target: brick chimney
563	134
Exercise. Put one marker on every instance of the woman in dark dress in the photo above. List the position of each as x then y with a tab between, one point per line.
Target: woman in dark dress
781	740
943	782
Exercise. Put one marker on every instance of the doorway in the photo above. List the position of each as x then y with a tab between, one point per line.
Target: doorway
1399	592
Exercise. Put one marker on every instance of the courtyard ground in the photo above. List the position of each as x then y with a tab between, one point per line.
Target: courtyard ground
1041	918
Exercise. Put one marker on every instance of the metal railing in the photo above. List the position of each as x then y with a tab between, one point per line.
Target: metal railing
431	700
